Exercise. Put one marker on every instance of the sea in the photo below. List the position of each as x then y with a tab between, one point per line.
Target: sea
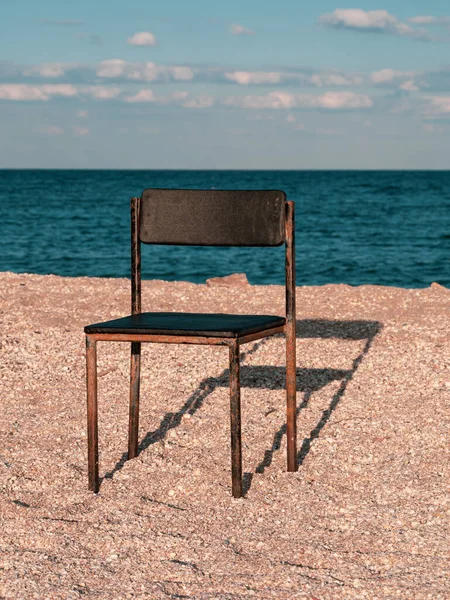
355	227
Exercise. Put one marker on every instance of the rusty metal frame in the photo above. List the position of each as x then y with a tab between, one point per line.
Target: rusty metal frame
290	330
233	344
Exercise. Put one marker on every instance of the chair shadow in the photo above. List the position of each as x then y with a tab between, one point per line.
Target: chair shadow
273	377
191	406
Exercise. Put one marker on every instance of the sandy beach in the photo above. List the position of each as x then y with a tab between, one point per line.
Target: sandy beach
366	515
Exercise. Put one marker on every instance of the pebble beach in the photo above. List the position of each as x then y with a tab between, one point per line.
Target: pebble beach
367	514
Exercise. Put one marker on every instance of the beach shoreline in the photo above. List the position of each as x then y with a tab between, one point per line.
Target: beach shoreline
365	516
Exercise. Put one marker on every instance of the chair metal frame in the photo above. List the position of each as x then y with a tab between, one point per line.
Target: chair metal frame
234	349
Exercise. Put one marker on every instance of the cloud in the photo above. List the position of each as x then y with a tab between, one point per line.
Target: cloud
48	70
404	80
342	100
422	20
142	38
180	95
118	68
24	92
429	20
50	130
248	77
111	68
100	92
322	79
390	75
409	86
271	100
179	98
375	21
82	114
63	23
142	96
237	29
199	102
80	130
286	100
335	79
439	105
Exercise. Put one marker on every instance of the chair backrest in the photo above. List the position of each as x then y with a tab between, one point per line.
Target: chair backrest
212	217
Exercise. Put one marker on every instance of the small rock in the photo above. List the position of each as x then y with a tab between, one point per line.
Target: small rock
437	287
234	280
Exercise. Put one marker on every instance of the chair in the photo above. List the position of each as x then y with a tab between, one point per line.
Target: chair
208	218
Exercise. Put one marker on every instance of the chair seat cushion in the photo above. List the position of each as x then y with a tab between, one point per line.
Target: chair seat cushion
189	324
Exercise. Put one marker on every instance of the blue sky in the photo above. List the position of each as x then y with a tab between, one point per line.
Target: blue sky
198	84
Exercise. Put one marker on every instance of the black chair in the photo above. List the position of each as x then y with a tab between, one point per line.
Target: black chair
205	218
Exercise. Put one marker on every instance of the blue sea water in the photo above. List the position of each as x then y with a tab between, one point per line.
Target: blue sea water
354	227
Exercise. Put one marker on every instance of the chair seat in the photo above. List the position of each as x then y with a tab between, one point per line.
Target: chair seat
188	324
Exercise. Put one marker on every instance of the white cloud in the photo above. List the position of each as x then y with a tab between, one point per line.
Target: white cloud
389	75
181	73
100	92
180	95
48	70
430	128
21	92
409	86
142	38
35	92
422	20
199	102
142	96
439	105
336	79
237	29
271	100
82	113
378	21
111	68
81	130
343	100
429	20
325	79
279	99
50	130
117	68
65	90
121	70
256	77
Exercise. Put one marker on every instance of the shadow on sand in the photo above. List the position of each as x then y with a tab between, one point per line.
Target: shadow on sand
272	377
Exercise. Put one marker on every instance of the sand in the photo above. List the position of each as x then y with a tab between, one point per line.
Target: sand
366	516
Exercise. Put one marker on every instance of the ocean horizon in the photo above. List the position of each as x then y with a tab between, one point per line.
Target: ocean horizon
387	227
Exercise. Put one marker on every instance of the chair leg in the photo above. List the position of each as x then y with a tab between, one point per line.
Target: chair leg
92	412
235	417
291	401
133	423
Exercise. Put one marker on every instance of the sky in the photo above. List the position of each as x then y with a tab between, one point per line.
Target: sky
230	85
